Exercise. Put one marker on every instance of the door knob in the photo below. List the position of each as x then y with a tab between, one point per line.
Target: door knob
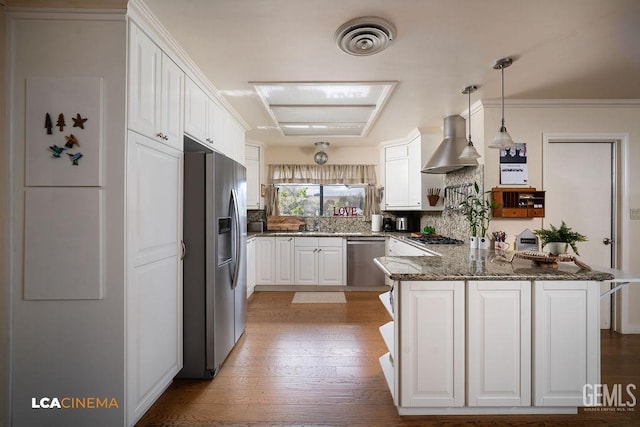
607	241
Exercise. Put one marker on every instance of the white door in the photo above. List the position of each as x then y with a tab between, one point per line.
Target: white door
579	183
284	261
330	265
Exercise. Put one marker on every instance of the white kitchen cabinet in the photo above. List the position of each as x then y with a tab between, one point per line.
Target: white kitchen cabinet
155	91
396	247
566	341
154	277
274	260
499	343
251	266
432	348
405	187
195	111
319	261
284	249
265	260
253	163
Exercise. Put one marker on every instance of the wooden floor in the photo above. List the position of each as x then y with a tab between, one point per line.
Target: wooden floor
317	364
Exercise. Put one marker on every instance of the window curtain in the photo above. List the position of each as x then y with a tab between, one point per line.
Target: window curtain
271	201
371	201
326	174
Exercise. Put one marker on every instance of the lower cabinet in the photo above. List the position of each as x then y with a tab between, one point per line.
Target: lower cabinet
319	261
274	261
499	343
286	260
431	354
479	347
566	341
251	266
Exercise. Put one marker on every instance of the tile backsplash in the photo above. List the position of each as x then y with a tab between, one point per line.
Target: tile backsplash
327	224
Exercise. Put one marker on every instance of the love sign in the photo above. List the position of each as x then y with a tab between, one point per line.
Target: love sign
345	211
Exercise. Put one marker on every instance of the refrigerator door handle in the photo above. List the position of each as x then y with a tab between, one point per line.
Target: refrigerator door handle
237	237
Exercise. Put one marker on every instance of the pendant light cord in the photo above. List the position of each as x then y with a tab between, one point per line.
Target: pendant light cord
469	93
502	71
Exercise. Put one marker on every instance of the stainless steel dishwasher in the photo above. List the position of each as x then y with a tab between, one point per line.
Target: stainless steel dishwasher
361	271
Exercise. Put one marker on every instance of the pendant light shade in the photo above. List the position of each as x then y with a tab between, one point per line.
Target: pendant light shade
503	139
469	151
321	157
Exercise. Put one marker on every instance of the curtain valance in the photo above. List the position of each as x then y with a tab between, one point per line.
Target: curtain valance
326	174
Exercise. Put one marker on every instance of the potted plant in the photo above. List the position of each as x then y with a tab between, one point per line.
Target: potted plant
557	240
477	211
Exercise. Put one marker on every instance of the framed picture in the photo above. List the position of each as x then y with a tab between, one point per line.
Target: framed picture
513	165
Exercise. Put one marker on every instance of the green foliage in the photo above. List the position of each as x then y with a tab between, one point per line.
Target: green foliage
295	201
477	211
563	234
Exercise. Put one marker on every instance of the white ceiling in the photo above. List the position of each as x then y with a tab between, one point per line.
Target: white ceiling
563	49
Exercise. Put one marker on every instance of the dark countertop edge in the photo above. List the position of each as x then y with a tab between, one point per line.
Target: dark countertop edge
327	234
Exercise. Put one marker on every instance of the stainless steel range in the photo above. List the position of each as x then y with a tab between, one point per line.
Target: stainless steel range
429	239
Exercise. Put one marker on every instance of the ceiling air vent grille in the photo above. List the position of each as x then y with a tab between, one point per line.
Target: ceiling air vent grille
365	36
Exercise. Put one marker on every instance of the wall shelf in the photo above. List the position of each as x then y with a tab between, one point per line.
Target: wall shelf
521	202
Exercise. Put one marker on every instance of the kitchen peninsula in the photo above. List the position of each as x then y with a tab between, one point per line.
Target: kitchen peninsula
472	334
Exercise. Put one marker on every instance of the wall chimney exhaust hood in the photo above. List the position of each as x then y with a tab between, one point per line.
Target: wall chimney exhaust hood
447	156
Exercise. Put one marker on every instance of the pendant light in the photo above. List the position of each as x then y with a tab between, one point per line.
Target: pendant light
469	151
503	139
321	157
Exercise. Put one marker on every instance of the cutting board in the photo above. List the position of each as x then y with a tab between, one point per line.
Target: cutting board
546	260
285	223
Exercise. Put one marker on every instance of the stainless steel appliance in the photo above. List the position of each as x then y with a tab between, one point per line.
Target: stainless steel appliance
402	223
387	224
361	271
214	269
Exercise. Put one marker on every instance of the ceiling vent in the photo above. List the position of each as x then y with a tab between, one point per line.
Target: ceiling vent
365	36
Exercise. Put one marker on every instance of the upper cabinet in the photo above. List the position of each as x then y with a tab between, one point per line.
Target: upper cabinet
207	121
406	188
155	91
253	163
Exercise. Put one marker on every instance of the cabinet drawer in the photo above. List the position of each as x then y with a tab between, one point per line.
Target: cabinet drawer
306	241
325	242
514	213
536	213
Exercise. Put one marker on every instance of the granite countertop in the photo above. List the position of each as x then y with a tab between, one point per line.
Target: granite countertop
327	234
459	262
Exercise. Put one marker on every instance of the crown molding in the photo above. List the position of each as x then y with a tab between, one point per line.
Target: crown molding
561	103
140	13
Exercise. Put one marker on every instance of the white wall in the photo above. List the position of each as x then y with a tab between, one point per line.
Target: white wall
527	121
71	348
337	155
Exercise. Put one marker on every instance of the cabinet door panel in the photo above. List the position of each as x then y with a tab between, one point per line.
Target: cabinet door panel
567	341
432	356
330	262
306	265
144	83
499	343
251	266
172	97
265	260
284	261
396	186
195	114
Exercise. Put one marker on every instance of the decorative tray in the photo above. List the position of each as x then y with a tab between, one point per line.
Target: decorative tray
546	260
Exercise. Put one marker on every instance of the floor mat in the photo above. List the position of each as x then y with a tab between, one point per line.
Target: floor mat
319	297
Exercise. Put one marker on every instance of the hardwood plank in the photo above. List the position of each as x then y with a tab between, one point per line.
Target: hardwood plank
318	365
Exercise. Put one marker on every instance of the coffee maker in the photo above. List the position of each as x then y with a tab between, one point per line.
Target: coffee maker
388	224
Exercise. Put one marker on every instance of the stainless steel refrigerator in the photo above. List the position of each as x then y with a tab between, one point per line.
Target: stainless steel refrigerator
214	265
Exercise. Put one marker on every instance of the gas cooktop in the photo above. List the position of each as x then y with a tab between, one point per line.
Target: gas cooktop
429	239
